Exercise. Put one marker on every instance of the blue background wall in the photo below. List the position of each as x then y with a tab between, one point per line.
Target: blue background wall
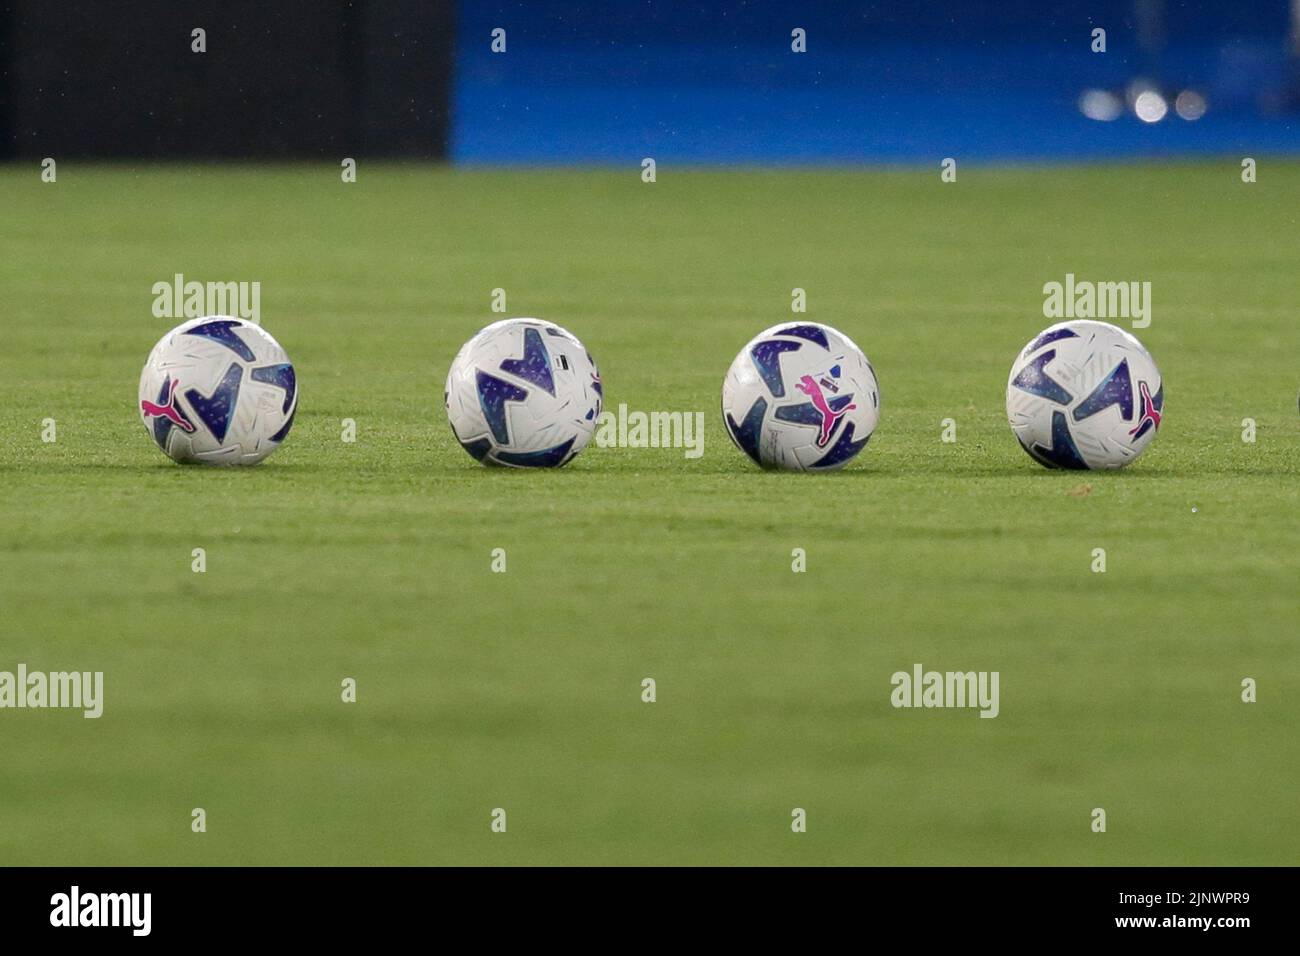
717	83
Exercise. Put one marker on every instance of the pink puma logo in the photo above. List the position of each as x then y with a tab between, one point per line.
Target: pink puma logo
168	410
830	417
1149	414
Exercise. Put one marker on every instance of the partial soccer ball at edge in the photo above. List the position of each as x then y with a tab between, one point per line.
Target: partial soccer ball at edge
802	397
523	393
1084	394
218	390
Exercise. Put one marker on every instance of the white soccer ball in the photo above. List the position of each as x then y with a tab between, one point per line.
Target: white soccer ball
1084	394
523	393
801	396
218	390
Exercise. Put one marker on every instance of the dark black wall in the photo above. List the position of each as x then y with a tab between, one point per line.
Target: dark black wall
280	78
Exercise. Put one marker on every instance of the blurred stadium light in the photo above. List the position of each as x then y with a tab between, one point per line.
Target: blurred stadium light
881	82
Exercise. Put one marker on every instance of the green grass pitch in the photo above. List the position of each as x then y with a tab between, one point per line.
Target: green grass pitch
522	690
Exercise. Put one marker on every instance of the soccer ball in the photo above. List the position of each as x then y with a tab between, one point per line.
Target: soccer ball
1084	395
802	397
218	390
523	393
